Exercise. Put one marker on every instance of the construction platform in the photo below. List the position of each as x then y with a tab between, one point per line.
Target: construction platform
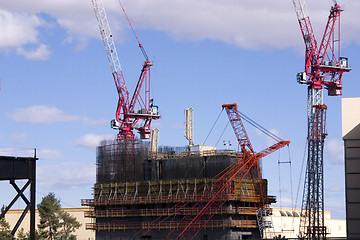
139	195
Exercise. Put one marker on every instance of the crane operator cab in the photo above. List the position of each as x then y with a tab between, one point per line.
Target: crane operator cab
301	77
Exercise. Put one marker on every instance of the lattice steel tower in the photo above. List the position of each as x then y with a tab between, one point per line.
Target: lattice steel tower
323	69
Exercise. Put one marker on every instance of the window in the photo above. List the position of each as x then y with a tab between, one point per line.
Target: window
282	213
295	214
288	214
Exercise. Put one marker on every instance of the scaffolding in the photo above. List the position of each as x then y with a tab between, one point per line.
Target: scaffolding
137	191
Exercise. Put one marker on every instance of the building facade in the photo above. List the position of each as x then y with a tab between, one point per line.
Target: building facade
12	217
351	137
142	197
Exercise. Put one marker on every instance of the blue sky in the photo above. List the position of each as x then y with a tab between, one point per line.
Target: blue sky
57	94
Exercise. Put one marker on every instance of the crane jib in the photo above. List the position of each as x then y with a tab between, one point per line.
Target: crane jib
138	111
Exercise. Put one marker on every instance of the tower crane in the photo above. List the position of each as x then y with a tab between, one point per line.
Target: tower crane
323	69
244	167
137	111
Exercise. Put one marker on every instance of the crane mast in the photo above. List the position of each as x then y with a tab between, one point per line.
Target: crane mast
127	118
323	69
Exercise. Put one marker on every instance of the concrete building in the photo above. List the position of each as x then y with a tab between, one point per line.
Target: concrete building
82	234
286	223
142	197
351	137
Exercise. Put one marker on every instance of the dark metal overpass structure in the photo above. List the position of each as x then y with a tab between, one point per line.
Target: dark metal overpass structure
14	168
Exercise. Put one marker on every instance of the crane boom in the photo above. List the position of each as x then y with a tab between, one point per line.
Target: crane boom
238	126
241	169
111	53
127	118
307	32
324	68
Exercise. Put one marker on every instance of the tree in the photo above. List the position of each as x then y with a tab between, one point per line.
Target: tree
69	225
55	224
5	232
22	235
49	211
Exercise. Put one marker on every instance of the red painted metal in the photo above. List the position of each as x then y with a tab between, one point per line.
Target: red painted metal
238	126
131	118
240	169
138	111
323	64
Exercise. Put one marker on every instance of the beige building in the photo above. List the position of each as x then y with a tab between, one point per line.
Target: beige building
12	217
286	223
351	137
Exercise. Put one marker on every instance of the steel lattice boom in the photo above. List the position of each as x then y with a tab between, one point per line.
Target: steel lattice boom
245	167
137	112
323	69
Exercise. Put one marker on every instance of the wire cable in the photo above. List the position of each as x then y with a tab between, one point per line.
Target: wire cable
222	134
301	173
213	126
261	128
140	45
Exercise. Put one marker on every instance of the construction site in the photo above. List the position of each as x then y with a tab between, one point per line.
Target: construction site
145	191
145	196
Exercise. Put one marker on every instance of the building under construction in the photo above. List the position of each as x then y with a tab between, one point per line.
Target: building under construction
145	195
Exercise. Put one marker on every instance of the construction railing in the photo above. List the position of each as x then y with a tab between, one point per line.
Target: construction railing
173	199
166	212
170	225
184	189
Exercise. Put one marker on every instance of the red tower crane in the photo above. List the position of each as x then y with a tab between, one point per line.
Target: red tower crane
240	169
138	111
323	69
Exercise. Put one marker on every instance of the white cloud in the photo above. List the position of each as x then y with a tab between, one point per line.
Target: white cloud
17	152
19	30
334	151
18	138
268	140
284	202
91	141
40	114
247	24
48	154
41	53
70	175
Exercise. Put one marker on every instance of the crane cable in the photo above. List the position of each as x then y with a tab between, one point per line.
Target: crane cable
213	126
261	128
301	173
291	185
251	122
222	133
140	45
